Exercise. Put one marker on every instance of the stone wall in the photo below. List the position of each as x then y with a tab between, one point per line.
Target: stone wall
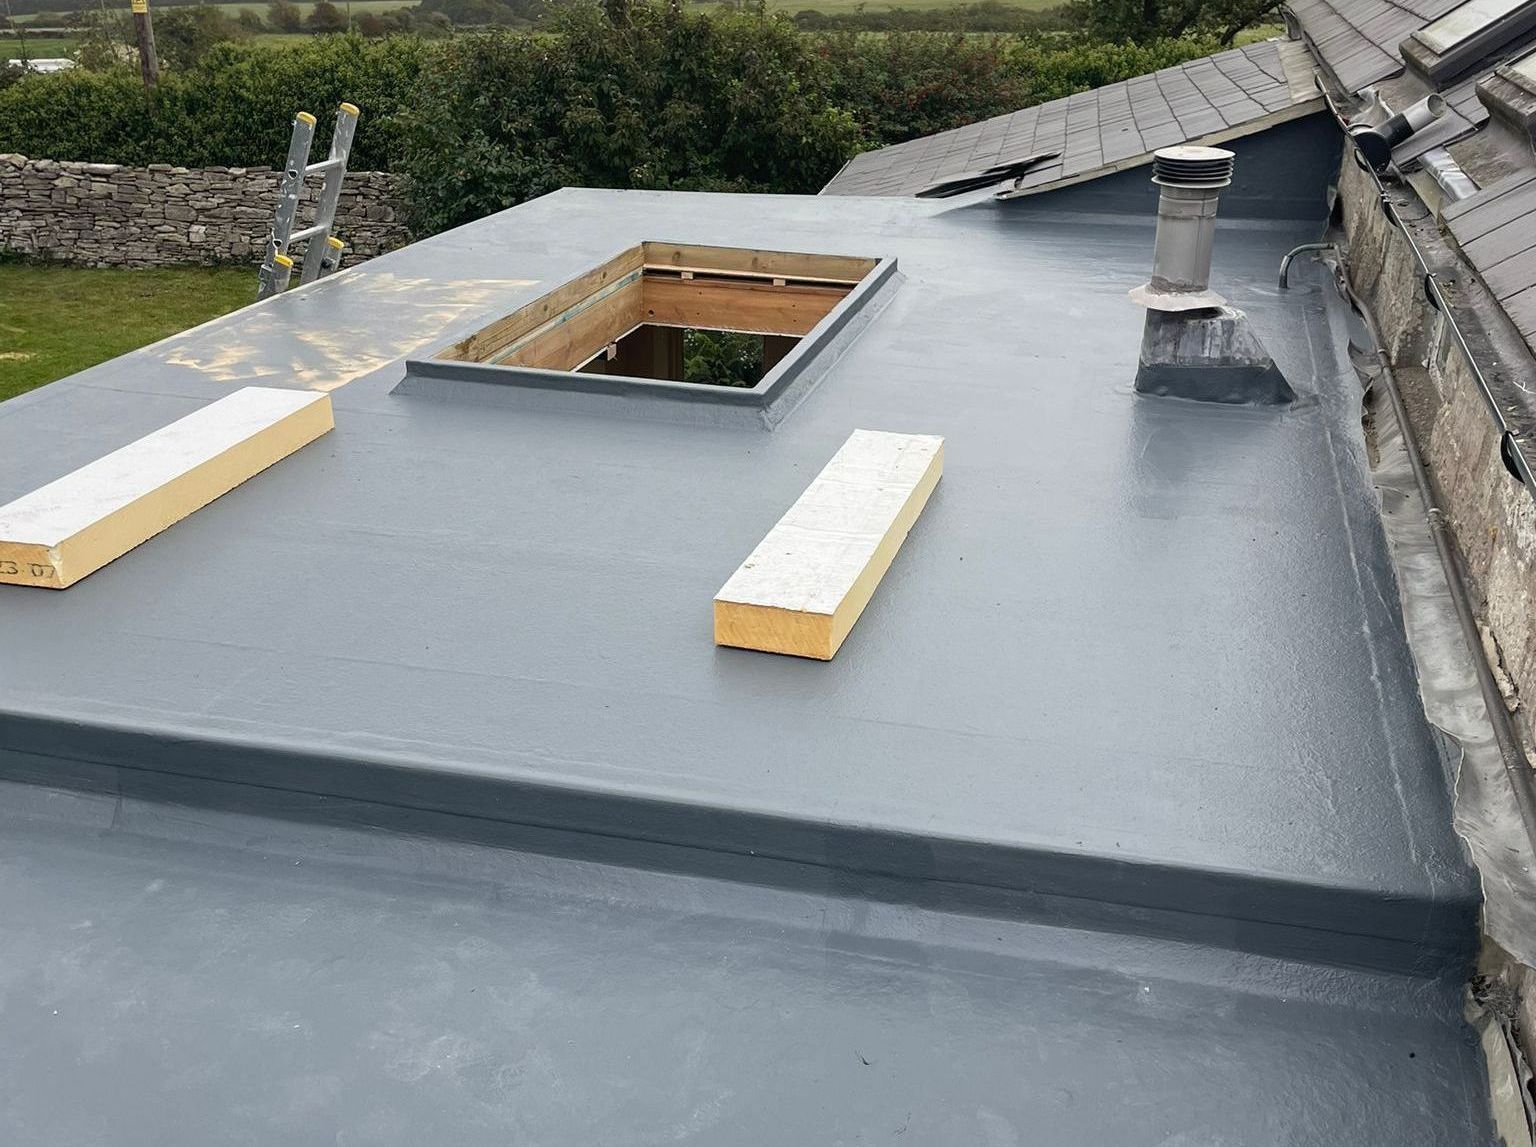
1491	514
104	215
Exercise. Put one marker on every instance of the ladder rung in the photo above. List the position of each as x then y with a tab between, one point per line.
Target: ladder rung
307	233
325	165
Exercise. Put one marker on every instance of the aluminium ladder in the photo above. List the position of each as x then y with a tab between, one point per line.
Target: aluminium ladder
322	253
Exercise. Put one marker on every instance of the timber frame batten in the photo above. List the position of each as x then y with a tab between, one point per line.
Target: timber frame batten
816	301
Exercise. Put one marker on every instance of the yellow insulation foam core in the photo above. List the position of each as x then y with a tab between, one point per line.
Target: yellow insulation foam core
809	579
63	531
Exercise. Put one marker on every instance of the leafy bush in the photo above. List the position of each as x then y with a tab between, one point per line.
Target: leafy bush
234	108
722	358
672	99
909	84
185	36
631	94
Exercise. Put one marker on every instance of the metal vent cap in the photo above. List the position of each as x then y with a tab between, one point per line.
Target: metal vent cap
1188	166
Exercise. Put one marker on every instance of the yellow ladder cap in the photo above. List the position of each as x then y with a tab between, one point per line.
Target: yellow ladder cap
306	117
282	261
350	109
332	241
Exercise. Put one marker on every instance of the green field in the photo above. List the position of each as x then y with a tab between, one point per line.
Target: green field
56	320
38	47
836	7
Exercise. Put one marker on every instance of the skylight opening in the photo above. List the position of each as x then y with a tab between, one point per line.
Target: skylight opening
1525	68
1467	36
720	316
686	354
1462	23
671	331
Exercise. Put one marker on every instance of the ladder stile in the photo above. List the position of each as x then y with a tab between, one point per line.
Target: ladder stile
335	168
287	203
322	253
331	258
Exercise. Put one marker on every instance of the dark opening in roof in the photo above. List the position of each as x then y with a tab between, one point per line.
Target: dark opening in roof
686	354
673	321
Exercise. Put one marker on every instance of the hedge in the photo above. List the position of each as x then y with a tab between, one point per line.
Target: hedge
645	95
234	109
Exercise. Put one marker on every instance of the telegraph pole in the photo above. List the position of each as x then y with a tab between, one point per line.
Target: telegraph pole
149	63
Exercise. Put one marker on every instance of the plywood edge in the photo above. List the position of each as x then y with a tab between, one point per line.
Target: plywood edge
493	339
118	532
745	615
752	308
791	264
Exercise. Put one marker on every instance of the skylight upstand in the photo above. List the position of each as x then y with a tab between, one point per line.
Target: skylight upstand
616	329
1466	35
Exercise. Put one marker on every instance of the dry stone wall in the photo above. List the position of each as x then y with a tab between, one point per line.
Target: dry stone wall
105	215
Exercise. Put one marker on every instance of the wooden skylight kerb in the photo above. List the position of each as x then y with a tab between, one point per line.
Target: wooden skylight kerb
701	288
802	304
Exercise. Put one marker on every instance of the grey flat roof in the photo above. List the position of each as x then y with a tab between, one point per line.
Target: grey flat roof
178	977
1137	653
1105	129
402	795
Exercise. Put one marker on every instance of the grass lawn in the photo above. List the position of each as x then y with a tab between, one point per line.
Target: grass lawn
57	320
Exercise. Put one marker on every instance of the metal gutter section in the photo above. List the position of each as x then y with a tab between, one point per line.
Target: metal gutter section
1454	183
1509	405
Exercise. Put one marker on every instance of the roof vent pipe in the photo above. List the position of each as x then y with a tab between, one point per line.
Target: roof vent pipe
1194	345
1190	180
1376	143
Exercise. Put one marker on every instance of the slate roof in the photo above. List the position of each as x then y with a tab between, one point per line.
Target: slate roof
1108	129
1357	39
1496	231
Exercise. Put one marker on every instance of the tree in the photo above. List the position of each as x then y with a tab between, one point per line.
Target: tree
326	17
285	16
1144	20
250	22
184	35
372	25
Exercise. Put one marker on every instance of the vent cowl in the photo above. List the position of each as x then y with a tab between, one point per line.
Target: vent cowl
1194	345
1200	167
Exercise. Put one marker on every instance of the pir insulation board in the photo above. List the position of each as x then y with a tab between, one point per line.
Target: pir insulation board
807	582
63	531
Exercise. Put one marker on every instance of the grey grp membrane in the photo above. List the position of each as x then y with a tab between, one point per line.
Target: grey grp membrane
1135	689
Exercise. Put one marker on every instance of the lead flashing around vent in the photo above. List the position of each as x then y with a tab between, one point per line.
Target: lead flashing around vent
765	404
1193	345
